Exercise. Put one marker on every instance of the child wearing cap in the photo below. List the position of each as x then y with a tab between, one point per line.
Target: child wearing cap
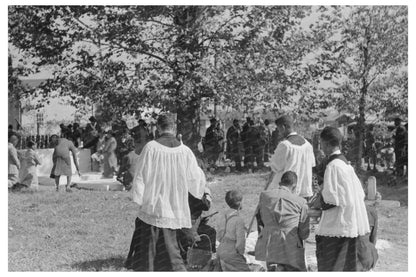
231	235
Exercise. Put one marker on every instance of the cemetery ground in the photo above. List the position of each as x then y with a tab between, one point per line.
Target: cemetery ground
91	230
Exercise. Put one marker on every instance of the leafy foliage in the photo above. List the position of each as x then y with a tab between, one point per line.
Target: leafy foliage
180	58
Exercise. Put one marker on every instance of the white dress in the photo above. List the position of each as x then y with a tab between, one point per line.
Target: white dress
163	178
297	158
28	175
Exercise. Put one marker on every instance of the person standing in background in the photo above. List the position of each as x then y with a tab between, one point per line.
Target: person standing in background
268	137
30	160
14	163
212	140
140	135
400	146
275	139
76	135
110	158
233	143
62	160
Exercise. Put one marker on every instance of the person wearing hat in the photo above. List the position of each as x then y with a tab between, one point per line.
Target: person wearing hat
400	146
166	171
232	235
30	160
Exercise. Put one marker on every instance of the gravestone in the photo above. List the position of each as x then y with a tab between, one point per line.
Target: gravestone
371	188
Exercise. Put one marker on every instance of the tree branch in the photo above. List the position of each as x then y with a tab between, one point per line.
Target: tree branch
159	22
131	50
210	38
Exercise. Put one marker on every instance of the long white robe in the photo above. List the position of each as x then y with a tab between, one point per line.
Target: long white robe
163	178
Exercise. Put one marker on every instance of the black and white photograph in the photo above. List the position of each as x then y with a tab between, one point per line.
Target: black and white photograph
207	137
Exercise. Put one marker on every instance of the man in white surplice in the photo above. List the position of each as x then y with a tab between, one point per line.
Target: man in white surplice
293	153
166	171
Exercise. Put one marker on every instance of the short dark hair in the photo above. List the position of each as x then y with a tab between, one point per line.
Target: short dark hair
166	121
213	120
266	122
233	199
235	121
141	121
92	118
285	121
331	135
289	178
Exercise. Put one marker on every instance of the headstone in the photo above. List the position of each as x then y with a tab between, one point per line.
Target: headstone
371	188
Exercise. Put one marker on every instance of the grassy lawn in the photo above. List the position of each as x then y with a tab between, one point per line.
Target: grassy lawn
91	230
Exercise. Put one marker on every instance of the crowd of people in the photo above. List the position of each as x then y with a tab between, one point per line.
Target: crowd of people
252	143
389	152
170	189
112	151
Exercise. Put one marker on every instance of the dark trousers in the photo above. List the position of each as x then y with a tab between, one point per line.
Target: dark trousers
154	249
400	161
266	152
258	153
336	254
236	157
248	156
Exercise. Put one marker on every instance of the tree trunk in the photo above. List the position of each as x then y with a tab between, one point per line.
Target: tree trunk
361	127
362	104
188	123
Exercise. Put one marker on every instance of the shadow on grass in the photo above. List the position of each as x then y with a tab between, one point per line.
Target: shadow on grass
110	264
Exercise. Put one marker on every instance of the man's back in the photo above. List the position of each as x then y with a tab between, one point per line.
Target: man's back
281	207
163	178
63	148
295	154
286	224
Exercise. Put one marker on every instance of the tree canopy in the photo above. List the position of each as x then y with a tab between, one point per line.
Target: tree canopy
178	57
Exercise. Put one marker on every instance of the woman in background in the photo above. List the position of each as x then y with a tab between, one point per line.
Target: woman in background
110	158
28	175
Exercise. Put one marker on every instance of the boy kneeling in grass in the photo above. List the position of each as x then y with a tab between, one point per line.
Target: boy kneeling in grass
232	235
283	225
